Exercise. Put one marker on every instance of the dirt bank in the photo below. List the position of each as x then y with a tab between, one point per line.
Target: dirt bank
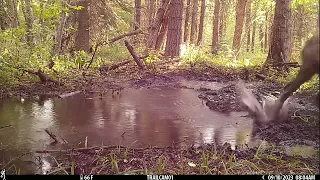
302	128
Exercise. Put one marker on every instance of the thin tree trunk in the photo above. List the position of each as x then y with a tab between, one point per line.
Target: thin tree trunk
2	16
281	33
240	14
248	22
254	25
28	15
201	25
266	32
138	14
261	36
152	4
155	28
194	21
59	31
186	23
224	15
83	35
253	36
174	28
215	30
163	32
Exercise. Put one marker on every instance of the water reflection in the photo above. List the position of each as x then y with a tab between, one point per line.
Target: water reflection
155	117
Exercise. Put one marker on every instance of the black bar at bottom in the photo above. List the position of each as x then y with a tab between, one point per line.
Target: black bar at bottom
162	177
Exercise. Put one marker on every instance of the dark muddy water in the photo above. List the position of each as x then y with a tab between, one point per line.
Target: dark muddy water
134	117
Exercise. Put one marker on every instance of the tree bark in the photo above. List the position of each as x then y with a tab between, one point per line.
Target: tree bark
28	15
12	14
254	25
174	28
215	30
261	36
280	41
83	35
155	28
240	14
223	17
201	25
186	23
152	4
266	32
194	21
138	14
2	16
248	22
59	31
163	32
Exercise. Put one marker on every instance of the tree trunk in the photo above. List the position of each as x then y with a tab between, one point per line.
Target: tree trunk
28	15
12	14
261	36
2	16
186	23
155	28
194	21
215	30
280	41
163	32
59	32
138	14
201	25
83	36
266	32
152	4
254	25
223	17
248	22
240	14
174	28
253	36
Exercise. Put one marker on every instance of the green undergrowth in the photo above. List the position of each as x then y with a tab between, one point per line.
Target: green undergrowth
202	160
71	66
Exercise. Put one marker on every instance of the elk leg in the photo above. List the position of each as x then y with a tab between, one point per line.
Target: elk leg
305	74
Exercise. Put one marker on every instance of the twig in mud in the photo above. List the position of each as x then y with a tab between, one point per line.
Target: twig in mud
15	158
93	148
59	167
122	135
1	127
86	142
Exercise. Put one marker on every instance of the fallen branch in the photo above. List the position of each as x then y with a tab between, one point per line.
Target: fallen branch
138	31
133	54
56	137
91	148
69	94
106	68
43	78
1	127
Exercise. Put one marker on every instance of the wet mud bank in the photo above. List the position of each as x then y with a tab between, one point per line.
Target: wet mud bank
219	94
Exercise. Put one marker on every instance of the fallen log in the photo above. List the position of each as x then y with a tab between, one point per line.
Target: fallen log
136	32
56	137
106	68
69	94
287	64
133	54
43	78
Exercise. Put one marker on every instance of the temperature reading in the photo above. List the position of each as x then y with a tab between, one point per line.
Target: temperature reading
3	174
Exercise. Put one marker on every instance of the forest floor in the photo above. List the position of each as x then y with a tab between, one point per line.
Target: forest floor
301	129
